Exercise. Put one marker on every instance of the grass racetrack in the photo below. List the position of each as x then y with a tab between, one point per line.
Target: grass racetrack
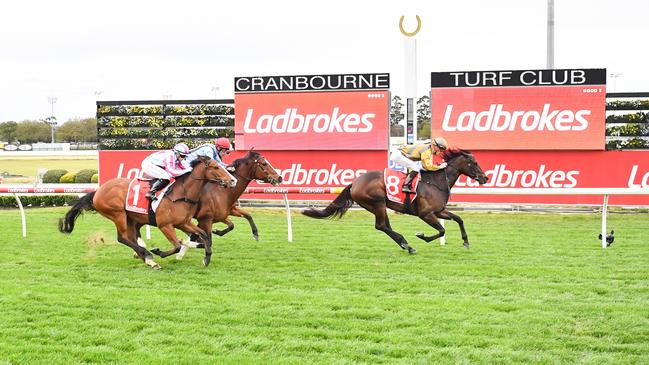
533	289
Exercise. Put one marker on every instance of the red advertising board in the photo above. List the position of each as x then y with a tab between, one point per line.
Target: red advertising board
514	110
319	112
310	169
560	169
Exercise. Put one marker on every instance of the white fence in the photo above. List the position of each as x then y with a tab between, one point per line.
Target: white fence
16	191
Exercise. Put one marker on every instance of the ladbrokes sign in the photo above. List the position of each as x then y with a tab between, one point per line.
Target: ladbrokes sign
321	112
528	109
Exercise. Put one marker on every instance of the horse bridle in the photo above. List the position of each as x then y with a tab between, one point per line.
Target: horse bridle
458	170
252	171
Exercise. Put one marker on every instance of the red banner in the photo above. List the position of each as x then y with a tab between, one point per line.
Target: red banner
307	169
505	169
528	110
329	120
560	169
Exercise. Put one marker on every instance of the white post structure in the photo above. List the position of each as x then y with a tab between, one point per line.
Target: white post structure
22	214
410	75
288	218
550	35
604	213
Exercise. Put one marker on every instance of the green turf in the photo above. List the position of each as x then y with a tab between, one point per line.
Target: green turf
533	289
30	166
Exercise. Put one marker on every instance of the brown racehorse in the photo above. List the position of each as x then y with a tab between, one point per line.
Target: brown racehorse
216	203
433	192
175	211
253	166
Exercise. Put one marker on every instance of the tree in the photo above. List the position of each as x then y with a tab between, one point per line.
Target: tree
423	117
30	131
8	131
396	116
78	130
396	111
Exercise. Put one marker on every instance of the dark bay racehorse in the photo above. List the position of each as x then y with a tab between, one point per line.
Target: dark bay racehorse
433	192
253	166
216	202
175	210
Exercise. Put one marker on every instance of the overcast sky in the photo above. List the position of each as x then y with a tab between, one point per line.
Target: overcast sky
81	51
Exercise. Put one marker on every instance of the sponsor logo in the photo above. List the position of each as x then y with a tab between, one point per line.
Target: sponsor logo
276	190
497	120
297	175
292	121
502	177
313	191
133	173
636	181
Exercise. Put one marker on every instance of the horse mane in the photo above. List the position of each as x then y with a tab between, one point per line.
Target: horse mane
251	154
196	162
454	152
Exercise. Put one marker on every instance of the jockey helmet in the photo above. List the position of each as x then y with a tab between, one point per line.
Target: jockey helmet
223	143
181	149
441	143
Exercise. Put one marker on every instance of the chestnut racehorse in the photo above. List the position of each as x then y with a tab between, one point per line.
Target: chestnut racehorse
216	203
433	192
175	211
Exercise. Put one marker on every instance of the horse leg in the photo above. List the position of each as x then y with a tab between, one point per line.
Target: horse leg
445	214
205	225
221	233
382	223
433	222
169	231
235	211
140	242
126	235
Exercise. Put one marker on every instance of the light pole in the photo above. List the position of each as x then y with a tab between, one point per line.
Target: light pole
51	120
614	76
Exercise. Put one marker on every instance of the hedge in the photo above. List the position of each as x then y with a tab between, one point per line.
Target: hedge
94	179
68	178
84	176
38	201
53	176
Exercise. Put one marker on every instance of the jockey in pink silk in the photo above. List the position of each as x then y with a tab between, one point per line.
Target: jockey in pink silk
163	165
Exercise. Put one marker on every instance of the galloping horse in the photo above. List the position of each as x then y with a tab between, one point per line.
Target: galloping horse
215	200
174	212
217	203
433	192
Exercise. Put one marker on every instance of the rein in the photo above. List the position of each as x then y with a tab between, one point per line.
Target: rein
252	172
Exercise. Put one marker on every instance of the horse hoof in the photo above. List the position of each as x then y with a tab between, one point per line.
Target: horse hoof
156	267
206	262
256	237
155	251
466	244
411	250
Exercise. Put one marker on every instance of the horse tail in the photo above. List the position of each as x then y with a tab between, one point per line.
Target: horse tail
66	225
335	209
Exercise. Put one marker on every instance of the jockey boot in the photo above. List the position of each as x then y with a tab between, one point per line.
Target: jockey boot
407	184
155	186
